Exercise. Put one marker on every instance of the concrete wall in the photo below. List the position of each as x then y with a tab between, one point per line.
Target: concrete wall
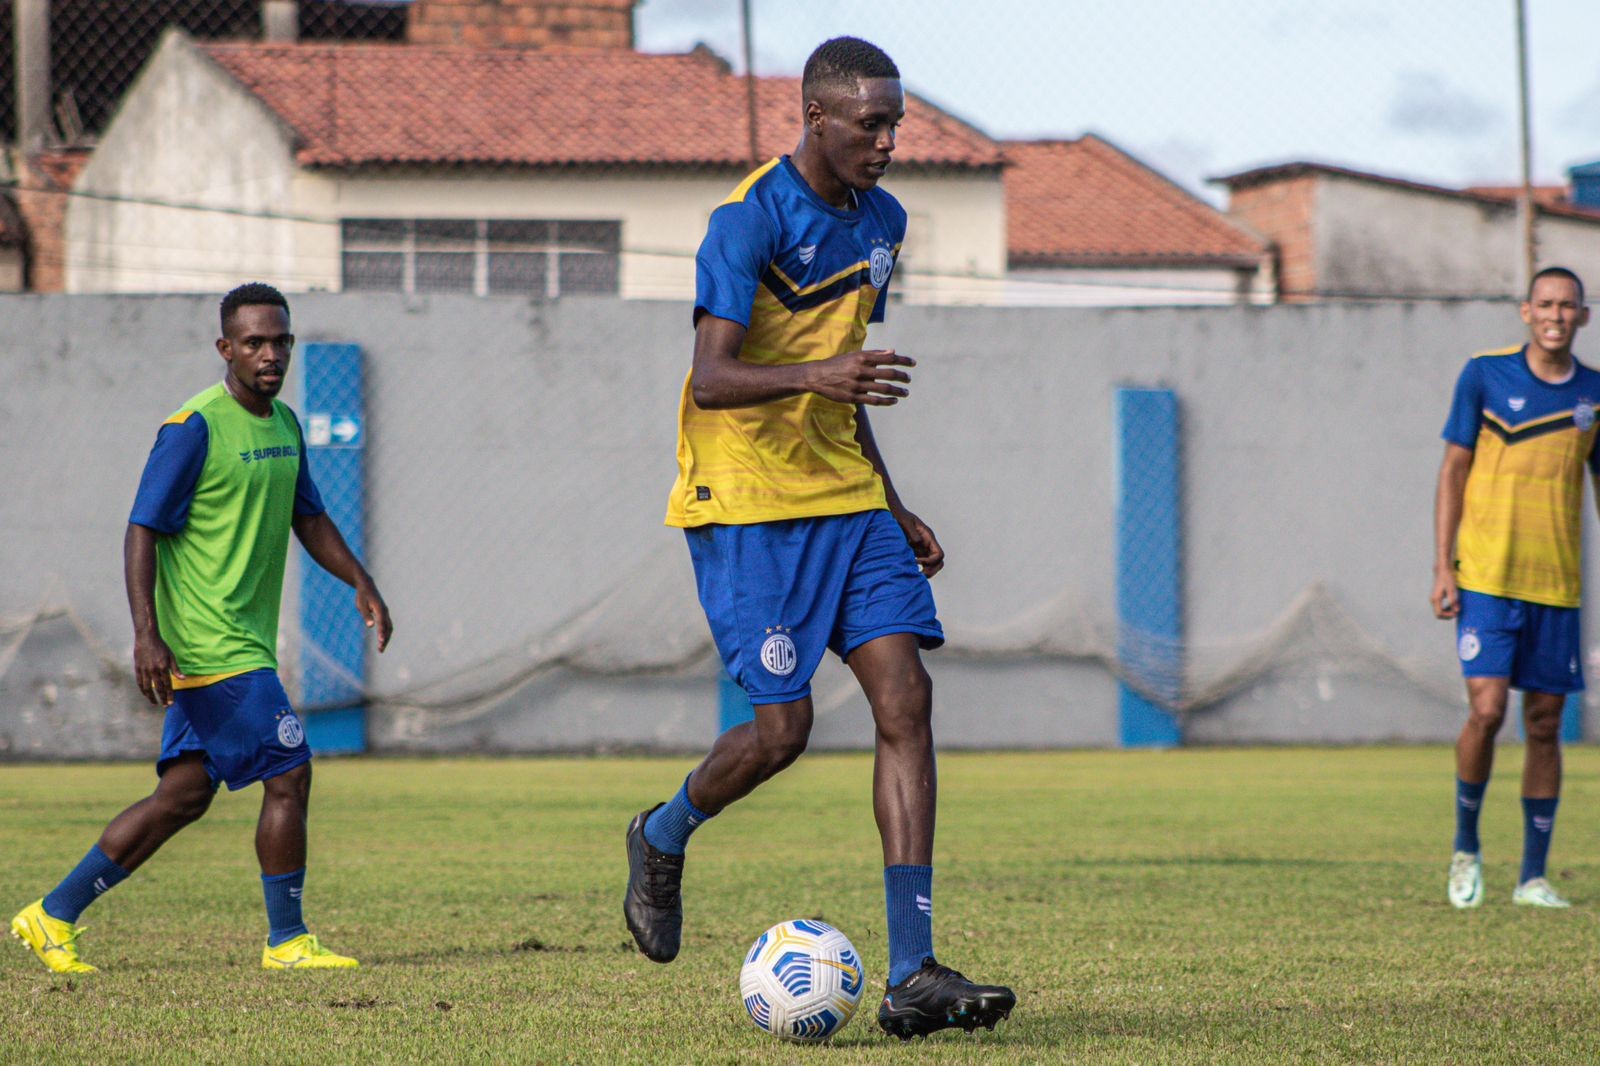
520	456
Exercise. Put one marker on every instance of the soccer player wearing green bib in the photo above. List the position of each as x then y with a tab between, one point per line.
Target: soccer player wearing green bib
204	557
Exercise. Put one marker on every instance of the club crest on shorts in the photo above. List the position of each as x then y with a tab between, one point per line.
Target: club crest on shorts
291	734
1469	646
880	264
1583	416
778	653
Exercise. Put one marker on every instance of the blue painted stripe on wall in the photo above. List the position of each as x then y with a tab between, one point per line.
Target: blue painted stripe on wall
733	706
333	639
1149	564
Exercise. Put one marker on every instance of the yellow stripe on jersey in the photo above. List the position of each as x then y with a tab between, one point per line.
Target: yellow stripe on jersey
1513	350
178	419
208	679
743	188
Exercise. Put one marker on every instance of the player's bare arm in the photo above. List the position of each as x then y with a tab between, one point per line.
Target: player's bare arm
153	662
930	557
325	544
722	380
1447	504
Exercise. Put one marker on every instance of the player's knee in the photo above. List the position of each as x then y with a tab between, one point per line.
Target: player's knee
784	742
905	710
182	806
1487	717
292	788
1542	728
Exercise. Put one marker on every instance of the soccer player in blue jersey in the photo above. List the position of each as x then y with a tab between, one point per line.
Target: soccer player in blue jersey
799	541
1507	525
225	484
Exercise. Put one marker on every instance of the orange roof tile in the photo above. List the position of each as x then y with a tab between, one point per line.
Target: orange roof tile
381	104
1087	203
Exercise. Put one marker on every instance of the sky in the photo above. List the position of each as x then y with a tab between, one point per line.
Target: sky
1420	89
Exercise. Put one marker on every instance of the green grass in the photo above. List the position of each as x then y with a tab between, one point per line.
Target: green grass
1202	906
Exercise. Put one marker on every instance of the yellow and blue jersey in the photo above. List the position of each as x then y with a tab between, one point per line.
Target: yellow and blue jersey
805	279
1521	524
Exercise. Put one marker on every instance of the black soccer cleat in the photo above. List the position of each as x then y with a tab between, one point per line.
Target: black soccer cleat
653	904
937	997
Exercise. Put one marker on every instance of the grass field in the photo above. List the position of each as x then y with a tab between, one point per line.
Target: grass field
1200	906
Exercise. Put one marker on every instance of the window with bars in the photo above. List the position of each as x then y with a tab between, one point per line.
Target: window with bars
521	257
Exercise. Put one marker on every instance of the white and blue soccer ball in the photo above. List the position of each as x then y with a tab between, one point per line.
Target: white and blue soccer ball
802	980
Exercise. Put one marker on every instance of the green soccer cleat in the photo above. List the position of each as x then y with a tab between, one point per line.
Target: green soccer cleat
1537	893
1466	879
304	953
54	941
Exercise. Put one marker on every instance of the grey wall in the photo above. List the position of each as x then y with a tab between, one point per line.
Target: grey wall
520	456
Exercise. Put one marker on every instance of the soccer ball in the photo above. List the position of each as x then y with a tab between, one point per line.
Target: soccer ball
802	980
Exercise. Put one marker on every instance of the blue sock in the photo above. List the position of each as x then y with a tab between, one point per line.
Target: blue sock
1469	802
95	875
908	892
283	893
1538	822
669	827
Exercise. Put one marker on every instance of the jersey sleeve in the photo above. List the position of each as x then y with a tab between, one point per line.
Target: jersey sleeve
307	500
1466	408
739	245
170	474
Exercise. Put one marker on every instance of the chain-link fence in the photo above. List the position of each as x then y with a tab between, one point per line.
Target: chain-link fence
536	147
454	184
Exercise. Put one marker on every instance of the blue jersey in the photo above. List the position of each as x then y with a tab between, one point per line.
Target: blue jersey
805	278
1521	522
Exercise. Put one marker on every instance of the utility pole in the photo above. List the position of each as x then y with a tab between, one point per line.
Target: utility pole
1525	204
750	82
30	29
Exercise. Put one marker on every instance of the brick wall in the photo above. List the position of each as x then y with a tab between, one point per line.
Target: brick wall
43	182
1283	212
523	23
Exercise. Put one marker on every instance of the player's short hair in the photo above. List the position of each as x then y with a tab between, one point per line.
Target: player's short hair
251	294
1555	272
841	62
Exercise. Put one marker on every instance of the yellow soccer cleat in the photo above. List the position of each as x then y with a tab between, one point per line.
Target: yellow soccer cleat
54	941
304	953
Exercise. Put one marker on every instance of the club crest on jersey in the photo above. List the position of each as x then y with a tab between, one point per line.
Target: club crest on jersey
291	734
1517	403
808	252
778	653
1469	646
880	264
1583	416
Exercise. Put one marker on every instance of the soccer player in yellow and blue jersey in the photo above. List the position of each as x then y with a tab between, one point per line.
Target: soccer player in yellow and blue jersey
800	543
204	555
1507	525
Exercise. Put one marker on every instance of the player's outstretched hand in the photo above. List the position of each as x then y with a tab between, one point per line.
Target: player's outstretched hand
154	667
370	605
868	377
930	557
1446	596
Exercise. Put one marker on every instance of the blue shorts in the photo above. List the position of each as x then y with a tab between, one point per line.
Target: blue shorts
243	724
1537	647
777	594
